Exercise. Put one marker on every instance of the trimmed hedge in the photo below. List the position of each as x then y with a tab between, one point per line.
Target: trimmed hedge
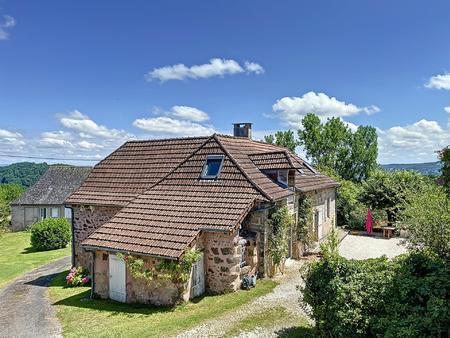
50	234
404	297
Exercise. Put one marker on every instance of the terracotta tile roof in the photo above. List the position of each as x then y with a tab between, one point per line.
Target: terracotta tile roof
168	204
131	169
164	220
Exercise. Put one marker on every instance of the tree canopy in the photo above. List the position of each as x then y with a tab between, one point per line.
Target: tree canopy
284	139
444	156
23	173
388	191
352	155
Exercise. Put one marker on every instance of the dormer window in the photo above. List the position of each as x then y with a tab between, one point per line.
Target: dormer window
212	167
283	177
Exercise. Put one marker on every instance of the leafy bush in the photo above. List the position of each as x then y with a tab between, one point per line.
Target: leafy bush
8	193
78	276
405	297
50	233
426	218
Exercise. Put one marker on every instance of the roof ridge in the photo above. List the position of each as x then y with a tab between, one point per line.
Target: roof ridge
169	139
240	169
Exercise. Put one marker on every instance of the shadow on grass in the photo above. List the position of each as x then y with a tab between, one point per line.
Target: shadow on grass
29	250
84	300
296	331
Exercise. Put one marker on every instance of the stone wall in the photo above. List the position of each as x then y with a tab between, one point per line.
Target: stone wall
156	293
319	201
222	260
101	275
85	220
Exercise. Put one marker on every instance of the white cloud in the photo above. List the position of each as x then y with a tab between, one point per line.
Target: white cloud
189	113
412	143
9	134
441	81
168	126
291	110
88	128
6	23
253	67
447	109
215	67
89	145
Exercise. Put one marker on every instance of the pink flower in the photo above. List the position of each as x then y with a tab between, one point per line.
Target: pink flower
85	280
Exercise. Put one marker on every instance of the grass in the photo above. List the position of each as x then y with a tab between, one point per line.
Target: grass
297	326
82	317
17	256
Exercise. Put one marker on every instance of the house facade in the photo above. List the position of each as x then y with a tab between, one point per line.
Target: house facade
45	199
155	200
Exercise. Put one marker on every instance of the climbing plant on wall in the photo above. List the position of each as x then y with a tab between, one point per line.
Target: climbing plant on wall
305	231
279	224
177	272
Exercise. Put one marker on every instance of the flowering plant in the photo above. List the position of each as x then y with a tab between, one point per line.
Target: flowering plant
78	276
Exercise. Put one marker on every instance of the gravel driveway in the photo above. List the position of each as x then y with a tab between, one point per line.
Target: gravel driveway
285	294
25	309
363	247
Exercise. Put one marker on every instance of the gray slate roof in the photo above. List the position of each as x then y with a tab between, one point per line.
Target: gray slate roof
54	186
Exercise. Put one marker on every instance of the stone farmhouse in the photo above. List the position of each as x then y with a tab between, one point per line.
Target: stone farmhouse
157	199
45	199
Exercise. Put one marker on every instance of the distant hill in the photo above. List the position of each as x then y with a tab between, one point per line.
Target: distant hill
23	173
428	168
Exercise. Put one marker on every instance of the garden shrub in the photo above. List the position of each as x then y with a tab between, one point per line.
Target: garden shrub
50	233
405	297
77	276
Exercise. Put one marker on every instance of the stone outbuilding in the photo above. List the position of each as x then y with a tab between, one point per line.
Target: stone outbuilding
45	199
155	200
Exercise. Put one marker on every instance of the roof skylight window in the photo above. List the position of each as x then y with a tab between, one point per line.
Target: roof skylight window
212	167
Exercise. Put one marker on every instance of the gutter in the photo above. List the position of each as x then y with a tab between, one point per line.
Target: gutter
93	275
93	248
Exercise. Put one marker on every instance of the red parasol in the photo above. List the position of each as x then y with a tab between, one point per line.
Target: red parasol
369	225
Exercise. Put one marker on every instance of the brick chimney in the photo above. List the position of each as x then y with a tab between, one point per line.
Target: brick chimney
242	130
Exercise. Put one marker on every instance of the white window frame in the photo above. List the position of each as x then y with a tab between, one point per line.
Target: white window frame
52	215
42	213
205	167
68	213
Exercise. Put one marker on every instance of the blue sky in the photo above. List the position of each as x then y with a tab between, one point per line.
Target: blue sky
77	79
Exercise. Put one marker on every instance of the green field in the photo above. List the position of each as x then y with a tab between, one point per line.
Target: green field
17	256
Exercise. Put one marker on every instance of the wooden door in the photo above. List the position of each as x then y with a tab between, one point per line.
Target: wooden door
198	277
117	284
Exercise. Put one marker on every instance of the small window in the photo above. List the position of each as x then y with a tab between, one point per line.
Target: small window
54	212
328	207
212	166
68	213
43	213
243	256
283	177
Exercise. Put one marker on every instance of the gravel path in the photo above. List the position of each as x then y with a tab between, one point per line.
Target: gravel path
25	309
363	247
285	295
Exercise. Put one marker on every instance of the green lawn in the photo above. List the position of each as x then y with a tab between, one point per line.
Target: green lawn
297	326
17	256
82	317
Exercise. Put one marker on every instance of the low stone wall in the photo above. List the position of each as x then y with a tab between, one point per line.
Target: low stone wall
222	259
85	220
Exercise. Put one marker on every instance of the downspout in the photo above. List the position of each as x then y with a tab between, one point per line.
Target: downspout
93	275
73	235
